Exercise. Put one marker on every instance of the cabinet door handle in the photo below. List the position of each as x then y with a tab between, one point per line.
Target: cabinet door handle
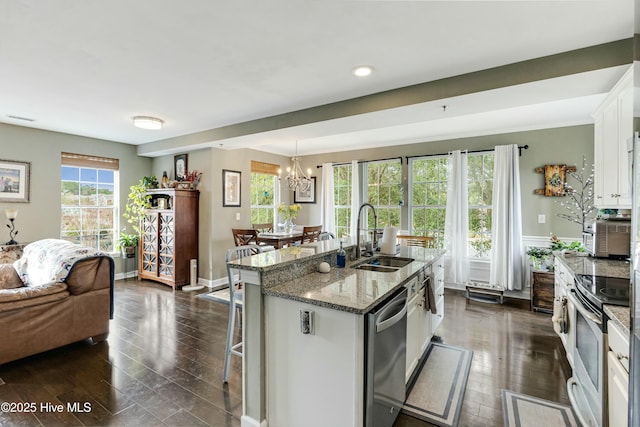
621	356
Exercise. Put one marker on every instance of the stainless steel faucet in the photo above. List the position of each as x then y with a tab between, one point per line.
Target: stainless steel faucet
375	228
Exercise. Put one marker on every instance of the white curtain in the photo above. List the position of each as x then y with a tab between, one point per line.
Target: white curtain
327	207
507	266
457	220
355	199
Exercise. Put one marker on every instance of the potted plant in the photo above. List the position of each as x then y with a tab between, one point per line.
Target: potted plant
127	243
539	258
138	202
575	247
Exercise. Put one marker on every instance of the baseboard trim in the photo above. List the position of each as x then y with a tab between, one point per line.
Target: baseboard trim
246	421
223	282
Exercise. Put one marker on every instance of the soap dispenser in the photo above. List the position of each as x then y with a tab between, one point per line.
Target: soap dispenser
342	257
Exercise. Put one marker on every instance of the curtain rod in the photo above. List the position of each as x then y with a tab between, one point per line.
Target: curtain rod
520	148
364	161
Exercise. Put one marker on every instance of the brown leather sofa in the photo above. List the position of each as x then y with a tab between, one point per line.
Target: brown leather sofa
41	317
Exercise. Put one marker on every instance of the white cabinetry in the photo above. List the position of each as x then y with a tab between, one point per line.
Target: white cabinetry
564	280
305	371
414	326
618	376
421	322
613	126
437	269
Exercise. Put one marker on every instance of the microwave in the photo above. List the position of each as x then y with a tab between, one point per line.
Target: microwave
608	239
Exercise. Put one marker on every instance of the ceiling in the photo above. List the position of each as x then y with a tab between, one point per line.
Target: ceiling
87	67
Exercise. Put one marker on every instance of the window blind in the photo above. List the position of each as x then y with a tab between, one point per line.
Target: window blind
83	160
265	168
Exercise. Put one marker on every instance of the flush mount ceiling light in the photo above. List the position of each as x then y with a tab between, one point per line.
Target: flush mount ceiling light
146	122
362	70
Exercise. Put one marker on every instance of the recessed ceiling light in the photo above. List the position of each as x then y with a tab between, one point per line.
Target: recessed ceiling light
146	122
363	70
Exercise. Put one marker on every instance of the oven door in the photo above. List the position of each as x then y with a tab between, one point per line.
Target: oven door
586	388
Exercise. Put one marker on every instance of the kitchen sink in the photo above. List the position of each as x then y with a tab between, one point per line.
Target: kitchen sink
378	268
383	264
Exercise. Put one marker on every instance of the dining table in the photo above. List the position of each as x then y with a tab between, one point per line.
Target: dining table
279	239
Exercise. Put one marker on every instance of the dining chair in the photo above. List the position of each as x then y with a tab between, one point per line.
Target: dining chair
310	233
422	241
263	228
244	236
326	235
236	294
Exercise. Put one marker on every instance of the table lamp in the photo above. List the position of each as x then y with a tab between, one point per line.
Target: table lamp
11	216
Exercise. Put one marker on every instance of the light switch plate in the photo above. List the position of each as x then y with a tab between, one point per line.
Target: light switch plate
542	218
237	216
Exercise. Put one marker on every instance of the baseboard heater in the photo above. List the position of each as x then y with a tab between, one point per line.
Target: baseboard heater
484	292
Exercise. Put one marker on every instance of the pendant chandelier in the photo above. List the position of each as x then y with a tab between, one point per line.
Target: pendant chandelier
297	180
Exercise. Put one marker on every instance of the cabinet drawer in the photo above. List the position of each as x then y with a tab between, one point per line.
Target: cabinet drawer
438	268
619	343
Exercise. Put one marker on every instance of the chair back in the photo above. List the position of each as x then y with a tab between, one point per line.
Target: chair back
233	254
244	236
422	241
263	228
326	235
310	233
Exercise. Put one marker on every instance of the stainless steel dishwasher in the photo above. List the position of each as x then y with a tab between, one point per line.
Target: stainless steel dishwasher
385	361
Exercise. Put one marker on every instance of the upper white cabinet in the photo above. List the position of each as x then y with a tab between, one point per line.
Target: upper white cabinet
613	128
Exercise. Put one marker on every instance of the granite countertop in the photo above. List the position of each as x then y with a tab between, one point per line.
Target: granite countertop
346	289
350	289
273	260
596	266
603	267
621	316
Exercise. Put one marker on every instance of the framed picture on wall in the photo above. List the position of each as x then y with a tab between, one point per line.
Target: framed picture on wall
308	195
180	166
14	181
231	188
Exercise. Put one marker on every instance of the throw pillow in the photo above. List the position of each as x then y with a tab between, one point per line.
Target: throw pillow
9	278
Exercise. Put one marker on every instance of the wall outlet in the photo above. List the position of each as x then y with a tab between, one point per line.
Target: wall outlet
542	218
237	216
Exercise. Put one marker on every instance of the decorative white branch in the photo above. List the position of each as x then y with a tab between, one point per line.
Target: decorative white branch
579	198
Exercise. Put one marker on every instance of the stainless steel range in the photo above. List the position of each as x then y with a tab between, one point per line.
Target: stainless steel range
587	387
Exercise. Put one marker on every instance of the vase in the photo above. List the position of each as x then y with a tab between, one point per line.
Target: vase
289	226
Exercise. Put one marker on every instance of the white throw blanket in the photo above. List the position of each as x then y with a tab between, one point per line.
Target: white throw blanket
50	260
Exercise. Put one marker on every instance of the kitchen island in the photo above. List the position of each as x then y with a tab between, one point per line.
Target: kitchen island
316	378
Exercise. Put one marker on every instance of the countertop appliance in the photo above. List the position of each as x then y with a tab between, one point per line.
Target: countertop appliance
587	387
609	238
385	390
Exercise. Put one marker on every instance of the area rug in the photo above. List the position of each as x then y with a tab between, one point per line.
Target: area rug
221	295
436	396
520	410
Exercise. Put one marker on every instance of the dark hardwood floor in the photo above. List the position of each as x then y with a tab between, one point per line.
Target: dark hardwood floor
162	365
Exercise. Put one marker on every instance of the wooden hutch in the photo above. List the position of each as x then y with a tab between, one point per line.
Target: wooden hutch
169	236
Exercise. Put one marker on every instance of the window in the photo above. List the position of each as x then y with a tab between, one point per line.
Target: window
88	200
480	173
342	199
428	197
264	197
384	191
